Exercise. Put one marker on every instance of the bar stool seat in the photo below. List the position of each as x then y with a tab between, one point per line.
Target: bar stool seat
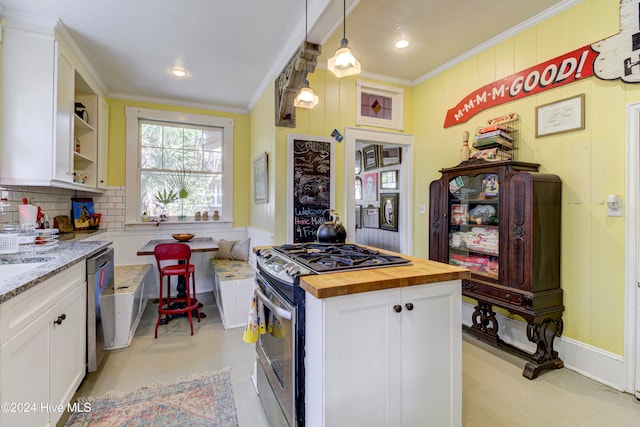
173	306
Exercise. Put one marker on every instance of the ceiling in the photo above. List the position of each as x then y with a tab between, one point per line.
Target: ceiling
232	50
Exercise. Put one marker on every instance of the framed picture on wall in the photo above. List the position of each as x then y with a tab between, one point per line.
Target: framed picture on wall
390	156
370	190
389	180
260	179
370	157
389	207
358	216
370	217
358	188
358	168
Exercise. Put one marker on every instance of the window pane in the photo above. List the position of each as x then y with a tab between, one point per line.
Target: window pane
175	157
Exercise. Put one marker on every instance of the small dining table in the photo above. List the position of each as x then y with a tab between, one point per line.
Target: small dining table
197	244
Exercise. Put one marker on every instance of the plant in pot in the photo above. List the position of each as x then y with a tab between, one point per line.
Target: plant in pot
185	184
164	197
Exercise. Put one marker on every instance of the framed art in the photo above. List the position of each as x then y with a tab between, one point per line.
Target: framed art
358	188
379	105
389	207
389	180
358	168
390	156
82	211
358	216
370	217
370	157
370	190
260	179
561	116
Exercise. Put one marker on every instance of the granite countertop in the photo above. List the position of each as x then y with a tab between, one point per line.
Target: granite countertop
59	258
419	272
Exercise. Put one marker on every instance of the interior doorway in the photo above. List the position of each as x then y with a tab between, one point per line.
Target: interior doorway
393	202
632	253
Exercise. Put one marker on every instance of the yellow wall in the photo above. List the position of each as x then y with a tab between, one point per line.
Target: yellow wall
590	162
336	110
241	159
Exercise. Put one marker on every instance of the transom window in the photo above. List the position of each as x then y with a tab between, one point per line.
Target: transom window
179	165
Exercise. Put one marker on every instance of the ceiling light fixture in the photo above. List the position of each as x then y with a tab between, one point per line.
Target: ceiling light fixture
343	62
305	98
178	72
402	43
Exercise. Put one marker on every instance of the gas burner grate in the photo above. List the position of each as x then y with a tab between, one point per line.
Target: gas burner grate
325	258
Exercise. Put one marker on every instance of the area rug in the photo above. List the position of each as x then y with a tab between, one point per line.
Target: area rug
201	400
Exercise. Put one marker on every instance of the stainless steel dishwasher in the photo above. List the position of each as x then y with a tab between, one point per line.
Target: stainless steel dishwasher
100	275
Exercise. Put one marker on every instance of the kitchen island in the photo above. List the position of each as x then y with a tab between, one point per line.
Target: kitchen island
383	346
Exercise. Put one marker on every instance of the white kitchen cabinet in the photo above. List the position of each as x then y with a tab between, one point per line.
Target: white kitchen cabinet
103	142
42	141
385	358
43	349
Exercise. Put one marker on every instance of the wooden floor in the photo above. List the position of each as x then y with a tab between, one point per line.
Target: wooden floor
494	391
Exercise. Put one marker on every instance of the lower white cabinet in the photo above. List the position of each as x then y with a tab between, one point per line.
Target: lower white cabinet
42	356
385	358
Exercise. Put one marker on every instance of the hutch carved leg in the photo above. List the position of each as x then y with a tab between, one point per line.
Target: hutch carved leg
484	323
545	356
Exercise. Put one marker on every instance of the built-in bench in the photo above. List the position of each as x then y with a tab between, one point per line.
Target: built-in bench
233	282
122	304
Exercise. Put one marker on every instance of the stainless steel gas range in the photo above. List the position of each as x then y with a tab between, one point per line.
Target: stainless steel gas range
280	352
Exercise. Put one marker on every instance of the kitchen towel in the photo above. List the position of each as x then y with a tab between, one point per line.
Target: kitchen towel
255	323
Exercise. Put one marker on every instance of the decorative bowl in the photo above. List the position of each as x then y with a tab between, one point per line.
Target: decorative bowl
183	237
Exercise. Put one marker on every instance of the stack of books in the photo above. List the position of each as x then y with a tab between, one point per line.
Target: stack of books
495	137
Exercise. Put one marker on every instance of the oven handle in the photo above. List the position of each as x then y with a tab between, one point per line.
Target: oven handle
274	308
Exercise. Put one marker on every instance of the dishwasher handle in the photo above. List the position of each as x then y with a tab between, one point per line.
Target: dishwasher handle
279	311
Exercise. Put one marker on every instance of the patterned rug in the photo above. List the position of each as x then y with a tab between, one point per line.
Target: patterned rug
201	400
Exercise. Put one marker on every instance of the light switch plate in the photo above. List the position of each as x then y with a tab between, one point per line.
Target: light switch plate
422	209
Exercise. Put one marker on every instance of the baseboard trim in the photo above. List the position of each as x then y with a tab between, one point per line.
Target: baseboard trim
599	365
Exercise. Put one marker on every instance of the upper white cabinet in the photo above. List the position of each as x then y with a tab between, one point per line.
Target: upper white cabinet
43	142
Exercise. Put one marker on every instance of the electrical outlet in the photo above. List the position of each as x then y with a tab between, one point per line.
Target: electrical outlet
422	209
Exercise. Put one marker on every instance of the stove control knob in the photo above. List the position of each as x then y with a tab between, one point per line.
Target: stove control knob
292	270
266	254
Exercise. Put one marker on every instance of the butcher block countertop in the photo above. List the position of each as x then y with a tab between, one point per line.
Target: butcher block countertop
352	282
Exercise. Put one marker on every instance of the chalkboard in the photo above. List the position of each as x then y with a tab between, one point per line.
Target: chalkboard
311	187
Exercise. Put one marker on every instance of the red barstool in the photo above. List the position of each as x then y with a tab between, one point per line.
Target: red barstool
168	306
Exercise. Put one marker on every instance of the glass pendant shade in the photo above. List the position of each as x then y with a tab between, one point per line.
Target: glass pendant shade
306	98
343	62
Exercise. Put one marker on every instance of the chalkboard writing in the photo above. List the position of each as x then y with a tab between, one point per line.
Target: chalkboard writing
311	187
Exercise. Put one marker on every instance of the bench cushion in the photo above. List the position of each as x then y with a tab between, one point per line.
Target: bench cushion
229	269
129	277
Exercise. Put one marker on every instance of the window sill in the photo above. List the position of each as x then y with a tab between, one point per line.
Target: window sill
178	225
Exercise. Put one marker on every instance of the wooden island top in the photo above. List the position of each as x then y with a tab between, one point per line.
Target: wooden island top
419	272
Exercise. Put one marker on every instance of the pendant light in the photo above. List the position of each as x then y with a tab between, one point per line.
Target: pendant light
305	98
343	62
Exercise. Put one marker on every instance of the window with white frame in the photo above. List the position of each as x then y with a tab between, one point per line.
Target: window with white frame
177	164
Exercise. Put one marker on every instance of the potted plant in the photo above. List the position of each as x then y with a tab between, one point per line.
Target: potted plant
184	183
165	197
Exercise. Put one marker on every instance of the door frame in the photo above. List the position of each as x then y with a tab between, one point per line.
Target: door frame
632	253
405	220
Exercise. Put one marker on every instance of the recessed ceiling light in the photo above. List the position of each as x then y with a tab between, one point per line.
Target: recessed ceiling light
401	44
179	72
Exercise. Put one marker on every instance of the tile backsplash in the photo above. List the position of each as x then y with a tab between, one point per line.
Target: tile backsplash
57	201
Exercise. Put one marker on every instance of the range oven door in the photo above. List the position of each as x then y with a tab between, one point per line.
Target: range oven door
276	356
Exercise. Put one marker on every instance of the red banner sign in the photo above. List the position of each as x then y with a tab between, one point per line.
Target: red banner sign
556	72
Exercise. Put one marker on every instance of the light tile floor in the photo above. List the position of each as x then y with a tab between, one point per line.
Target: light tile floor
494	391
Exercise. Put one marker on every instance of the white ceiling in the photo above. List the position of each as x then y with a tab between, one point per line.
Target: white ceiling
232	49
